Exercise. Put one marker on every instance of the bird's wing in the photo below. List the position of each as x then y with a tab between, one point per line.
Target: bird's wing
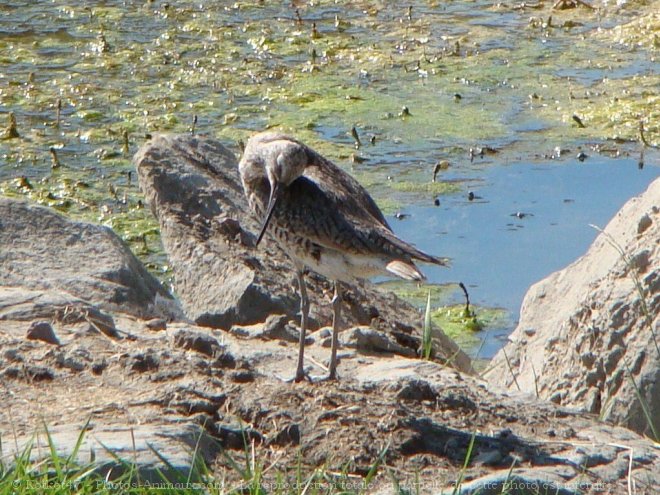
331	209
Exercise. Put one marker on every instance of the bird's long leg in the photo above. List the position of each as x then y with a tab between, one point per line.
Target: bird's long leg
304	312
336	316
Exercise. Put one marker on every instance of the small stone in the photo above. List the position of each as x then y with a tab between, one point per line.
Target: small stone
195	406
197	341
99	366
366	339
504	433
588	359
641	261
40	373
321	335
100	322
238	438
455	401
242	376
644	223
229	227
31	373
156	325
594	378
567	432
11	372
42	330
613	359
277	327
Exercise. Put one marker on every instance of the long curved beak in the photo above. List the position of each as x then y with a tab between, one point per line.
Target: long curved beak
272	201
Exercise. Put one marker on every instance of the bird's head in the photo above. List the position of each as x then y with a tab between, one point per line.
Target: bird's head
281	159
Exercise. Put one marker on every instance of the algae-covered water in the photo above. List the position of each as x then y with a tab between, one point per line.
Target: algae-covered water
536	120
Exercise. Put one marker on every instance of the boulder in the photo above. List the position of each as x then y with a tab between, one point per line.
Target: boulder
589	335
42	330
42	251
193	188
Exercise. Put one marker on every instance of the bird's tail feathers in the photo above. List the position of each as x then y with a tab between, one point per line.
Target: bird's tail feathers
407	271
427	258
412	251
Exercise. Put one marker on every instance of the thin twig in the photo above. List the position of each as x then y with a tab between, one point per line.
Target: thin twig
318	363
630	462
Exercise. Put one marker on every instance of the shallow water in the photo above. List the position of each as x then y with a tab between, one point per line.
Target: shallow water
498	255
471	74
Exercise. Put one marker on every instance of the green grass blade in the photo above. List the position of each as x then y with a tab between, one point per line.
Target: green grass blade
466	462
197	464
373	470
54	458
645	407
178	475
71	459
427	342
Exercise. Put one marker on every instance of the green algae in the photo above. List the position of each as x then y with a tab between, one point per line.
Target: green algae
467	327
426	187
642	32
416	294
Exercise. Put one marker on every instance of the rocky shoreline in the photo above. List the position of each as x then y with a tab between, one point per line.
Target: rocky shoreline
89	339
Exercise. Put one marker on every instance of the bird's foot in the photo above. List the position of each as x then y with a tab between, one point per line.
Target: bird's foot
299	377
319	379
309	378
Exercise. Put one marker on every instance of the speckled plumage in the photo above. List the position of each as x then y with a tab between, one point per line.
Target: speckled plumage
324	219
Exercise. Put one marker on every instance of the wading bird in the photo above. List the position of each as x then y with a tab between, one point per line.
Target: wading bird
324	220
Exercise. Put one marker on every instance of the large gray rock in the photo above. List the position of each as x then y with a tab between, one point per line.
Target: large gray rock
589	335
193	187
42	251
